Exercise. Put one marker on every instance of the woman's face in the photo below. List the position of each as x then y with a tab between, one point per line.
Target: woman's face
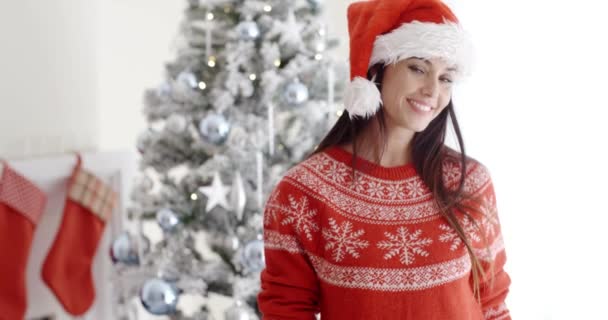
415	91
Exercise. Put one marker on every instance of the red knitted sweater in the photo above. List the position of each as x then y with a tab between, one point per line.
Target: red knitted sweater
377	248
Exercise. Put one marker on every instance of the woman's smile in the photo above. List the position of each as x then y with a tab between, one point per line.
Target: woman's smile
419	107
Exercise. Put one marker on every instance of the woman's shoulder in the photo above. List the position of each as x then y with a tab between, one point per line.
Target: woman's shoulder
297	174
453	156
477	174
314	160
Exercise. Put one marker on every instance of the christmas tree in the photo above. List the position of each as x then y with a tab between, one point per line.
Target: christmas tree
250	92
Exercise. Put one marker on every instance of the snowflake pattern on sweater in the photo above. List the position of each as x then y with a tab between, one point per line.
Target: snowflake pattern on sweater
404	244
343	247
301	217
342	240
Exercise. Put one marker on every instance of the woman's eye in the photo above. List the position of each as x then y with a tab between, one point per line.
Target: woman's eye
416	69
447	80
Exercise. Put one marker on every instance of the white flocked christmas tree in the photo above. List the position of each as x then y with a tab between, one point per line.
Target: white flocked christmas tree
251	90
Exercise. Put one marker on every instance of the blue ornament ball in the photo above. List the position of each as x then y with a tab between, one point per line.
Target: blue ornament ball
159	297
214	128
295	93
315	4
187	78
253	256
248	30
124	250
167	219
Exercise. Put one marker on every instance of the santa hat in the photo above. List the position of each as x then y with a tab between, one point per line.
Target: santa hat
386	31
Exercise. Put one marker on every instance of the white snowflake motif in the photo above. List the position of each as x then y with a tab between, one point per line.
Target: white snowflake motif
337	172
450	234
319	163
273	208
301	217
395	191
404	244
489	221
359	185
415	188
451	171
375	189
342	240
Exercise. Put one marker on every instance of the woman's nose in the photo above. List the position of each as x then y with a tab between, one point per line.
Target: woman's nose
430	87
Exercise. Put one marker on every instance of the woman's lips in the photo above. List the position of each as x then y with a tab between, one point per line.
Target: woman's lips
419	107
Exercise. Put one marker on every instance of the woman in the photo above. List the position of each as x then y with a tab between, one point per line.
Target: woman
384	221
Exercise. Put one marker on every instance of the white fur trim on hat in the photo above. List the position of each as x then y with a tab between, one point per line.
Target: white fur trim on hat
362	98
425	40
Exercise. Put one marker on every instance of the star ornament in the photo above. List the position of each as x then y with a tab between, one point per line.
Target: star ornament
216	193
289	31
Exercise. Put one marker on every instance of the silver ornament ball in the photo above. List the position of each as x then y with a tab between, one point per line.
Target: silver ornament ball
295	93
159	297
253	256
167	219
214	128
224	242
124	250
248	30
315	4
187	78
229	244
232	243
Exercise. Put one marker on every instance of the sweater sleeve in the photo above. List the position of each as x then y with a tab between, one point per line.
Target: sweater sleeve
495	286
289	285
493	298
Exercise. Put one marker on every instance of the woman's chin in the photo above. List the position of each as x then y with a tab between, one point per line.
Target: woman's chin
418	126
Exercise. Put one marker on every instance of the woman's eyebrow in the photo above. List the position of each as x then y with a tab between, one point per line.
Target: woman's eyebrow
428	62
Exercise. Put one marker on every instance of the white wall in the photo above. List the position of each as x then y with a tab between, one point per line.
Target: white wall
73	72
135	39
534	113
48	94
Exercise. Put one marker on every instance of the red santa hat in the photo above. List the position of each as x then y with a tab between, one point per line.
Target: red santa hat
386	31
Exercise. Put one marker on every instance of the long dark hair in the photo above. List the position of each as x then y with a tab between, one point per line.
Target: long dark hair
428	152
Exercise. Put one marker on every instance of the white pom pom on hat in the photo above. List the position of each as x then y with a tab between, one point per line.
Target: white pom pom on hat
360	96
386	31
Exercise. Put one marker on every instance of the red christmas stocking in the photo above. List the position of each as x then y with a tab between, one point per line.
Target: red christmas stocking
67	268
21	204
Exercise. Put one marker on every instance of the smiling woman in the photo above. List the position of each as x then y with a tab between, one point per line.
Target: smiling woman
413	232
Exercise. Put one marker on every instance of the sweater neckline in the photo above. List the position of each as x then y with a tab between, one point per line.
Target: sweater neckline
371	168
